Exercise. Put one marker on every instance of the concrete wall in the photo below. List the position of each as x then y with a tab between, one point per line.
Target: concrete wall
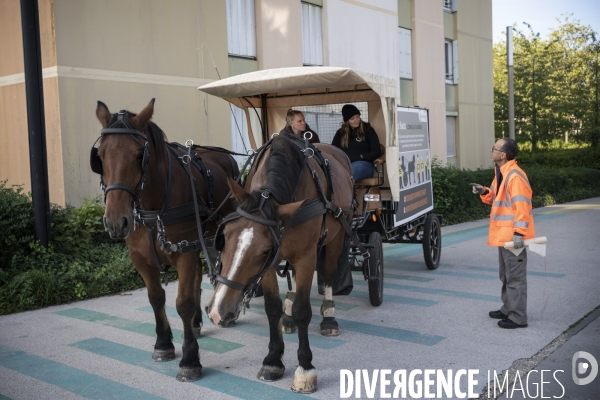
124	53
278	33
428	70
362	35
475	122
14	143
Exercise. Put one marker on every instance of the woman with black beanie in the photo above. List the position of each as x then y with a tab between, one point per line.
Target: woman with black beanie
359	141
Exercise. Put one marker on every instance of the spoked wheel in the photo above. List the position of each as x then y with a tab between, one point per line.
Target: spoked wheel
432	242
376	269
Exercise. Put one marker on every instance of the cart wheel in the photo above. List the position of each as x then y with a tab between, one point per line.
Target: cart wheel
376	269
432	242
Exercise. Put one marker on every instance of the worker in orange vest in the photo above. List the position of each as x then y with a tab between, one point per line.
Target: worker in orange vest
510	220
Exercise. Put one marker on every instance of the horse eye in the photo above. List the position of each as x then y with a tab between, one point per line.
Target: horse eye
140	156
267	252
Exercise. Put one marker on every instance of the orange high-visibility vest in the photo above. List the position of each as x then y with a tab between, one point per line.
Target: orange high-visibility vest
511	206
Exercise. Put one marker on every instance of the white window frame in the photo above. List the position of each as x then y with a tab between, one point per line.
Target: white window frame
312	34
241	28
451	61
405	52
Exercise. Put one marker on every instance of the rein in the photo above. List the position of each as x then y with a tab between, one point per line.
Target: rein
309	210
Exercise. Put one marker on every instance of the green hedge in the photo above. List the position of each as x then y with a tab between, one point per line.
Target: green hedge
562	158
81	262
452	196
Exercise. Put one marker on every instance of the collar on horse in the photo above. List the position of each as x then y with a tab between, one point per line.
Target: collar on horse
277	232
122	126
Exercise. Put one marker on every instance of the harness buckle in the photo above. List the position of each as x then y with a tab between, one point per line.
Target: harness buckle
265	194
312	152
338	213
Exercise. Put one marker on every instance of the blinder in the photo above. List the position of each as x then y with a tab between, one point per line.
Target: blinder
95	161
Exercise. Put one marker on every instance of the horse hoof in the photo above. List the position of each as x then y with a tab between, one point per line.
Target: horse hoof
163	355
287	324
270	373
189	374
305	382
329	327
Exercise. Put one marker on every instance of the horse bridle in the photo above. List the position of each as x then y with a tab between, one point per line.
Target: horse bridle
122	126
277	232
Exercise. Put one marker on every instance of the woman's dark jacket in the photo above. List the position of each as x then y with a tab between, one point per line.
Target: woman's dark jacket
314	139
368	148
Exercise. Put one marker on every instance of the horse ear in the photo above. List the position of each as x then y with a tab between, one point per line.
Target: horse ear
237	191
103	114
145	115
288	209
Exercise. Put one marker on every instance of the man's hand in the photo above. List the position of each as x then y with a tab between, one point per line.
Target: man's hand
478	189
518	241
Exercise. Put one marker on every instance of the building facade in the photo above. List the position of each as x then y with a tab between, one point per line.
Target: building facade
125	52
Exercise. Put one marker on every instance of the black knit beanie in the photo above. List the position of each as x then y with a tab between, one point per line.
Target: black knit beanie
349	111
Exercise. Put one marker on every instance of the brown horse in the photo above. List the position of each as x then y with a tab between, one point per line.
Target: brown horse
147	190
262	232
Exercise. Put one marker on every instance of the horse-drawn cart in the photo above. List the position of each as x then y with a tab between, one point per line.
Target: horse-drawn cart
395	206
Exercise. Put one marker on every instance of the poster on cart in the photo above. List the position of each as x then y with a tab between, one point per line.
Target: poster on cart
414	171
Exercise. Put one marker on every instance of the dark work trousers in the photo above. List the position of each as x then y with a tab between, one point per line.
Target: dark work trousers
513	274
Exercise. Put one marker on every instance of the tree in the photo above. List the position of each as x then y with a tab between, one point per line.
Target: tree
556	85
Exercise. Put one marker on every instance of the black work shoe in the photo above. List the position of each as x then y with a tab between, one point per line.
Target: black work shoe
498	315
510	324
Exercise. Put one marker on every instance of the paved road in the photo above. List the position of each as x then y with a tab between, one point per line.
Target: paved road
433	320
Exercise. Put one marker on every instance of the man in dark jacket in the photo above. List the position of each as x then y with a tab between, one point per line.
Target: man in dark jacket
296	125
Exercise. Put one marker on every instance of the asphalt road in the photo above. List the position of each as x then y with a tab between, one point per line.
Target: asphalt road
429	320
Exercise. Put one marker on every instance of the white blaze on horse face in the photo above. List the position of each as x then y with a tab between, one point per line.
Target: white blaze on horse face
244	241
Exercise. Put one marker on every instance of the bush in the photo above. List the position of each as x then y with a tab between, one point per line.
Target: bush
452	196
80	262
562	158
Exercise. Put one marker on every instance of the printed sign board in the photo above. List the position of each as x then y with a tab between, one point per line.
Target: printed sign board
414	171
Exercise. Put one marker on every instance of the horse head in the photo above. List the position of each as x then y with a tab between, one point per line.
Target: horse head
121	158
251	244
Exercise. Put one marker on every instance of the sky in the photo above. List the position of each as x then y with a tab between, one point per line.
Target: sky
541	15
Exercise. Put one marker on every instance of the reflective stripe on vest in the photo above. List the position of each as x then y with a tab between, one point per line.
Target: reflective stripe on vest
497	217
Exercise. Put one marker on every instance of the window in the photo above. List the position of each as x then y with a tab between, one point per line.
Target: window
450	136
450	5
450	52
405	52
239	133
241	29
312	36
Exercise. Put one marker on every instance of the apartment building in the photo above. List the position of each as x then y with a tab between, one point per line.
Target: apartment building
125	52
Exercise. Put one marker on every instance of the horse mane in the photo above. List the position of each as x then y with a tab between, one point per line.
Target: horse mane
284	167
156	136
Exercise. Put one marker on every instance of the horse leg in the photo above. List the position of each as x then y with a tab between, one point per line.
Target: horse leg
329	326
287	321
163	348
197	324
272	368
190	368
305	377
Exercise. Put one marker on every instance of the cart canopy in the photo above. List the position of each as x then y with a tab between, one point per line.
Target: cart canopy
266	96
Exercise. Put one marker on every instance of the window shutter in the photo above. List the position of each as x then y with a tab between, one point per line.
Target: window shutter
241	29
455	61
